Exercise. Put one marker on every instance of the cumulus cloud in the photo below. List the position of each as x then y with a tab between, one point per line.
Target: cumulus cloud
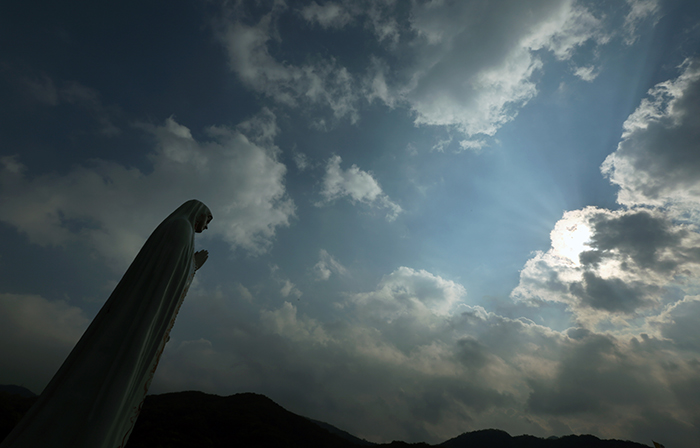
629	279
359	185
327	265
604	264
410	292
657	161
284	322
623	270
411	360
113	208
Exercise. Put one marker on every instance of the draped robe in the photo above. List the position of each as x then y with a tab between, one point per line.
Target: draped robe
95	397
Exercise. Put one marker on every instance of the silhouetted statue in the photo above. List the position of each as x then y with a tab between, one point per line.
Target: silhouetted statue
95	397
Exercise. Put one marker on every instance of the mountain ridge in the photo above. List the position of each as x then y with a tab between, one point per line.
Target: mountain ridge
192	419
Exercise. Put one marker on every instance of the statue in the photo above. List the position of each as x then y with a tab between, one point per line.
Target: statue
94	399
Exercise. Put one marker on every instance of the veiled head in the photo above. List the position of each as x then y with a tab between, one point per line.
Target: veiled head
196	212
203	220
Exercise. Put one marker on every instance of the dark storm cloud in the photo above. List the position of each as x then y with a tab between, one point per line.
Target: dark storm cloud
365	375
464	370
613	295
642	236
594	375
679	323
471	353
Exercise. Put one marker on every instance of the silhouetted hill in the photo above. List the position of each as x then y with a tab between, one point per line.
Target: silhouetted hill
198	420
344	434
495	438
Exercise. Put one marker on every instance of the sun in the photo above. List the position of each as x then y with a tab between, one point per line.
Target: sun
570	238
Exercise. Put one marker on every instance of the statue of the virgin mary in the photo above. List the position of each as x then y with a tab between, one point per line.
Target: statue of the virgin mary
95	397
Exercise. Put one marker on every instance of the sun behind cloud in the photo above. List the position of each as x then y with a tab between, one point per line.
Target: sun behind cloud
570	237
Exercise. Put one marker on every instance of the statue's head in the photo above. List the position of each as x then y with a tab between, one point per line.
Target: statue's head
203	220
195	212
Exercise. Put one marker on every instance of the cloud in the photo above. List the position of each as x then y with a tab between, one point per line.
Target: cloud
468	66
639	11
321	83
410	292
618	270
284	322
113	208
301	161
678	323
410	360
604	264
629	280
407	360
376	14
376	85
370	378
290	288
328	15
327	265
287	286
476	61
36	335
359	185
657	161
587	73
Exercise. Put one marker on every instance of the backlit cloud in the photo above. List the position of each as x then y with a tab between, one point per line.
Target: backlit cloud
657	161
613	267
625	263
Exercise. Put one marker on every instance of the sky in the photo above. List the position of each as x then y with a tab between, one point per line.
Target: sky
430	217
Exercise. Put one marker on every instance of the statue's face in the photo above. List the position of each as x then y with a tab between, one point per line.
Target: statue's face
202	222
